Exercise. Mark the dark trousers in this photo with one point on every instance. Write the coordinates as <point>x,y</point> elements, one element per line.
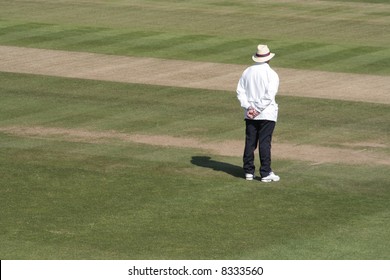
<point>258,133</point>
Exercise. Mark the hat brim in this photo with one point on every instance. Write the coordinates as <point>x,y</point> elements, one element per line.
<point>262,59</point>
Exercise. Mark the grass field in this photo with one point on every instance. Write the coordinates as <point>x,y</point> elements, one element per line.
<point>66,197</point>
<point>341,36</point>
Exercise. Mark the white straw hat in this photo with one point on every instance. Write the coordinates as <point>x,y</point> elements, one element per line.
<point>263,54</point>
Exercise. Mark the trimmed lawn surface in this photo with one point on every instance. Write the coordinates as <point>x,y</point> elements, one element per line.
<point>80,198</point>
<point>347,36</point>
<point>77,199</point>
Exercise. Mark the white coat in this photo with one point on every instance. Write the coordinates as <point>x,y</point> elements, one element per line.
<point>257,88</point>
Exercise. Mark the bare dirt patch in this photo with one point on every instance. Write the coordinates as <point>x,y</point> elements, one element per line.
<point>206,75</point>
<point>310,153</point>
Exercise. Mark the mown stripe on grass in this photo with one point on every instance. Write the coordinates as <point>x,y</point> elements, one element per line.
<point>195,47</point>
<point>45,38</point>
<point>99,42</point>
<point>20,28</point>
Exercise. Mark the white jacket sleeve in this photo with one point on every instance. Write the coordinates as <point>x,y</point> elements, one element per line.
<point>241,94</point>
<point>273,85</point>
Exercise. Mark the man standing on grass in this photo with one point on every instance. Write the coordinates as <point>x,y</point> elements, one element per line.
<point>256,91</point>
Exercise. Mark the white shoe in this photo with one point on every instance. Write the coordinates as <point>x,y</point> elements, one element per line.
<point>249,176</point>
<point>271,177</point>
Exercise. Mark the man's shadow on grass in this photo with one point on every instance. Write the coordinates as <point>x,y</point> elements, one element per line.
<point>207,162</point>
